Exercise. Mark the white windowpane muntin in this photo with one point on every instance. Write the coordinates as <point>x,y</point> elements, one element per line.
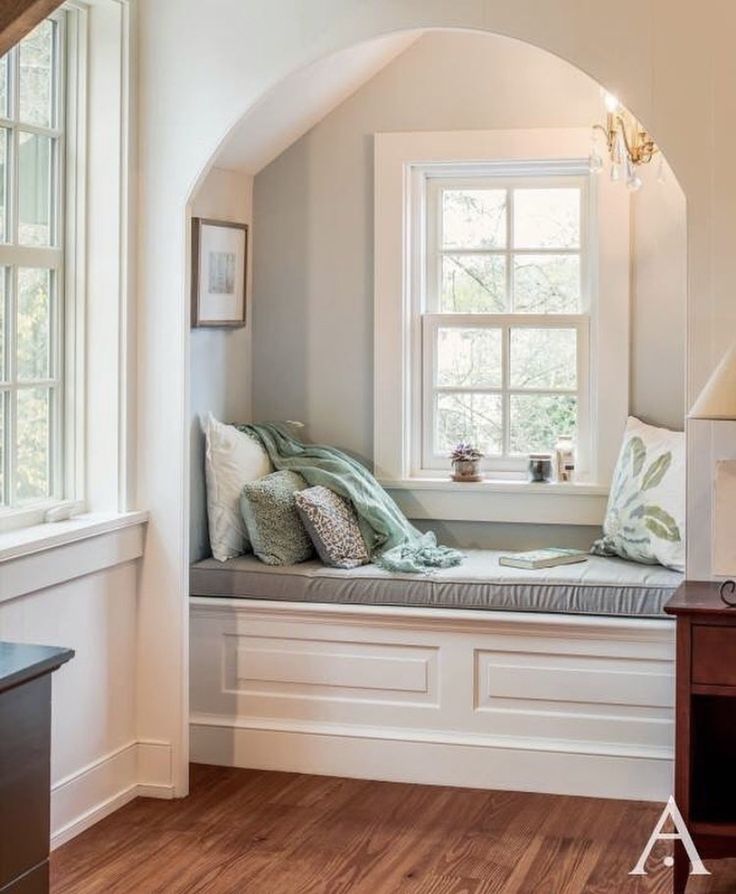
<point>474,218</point>
<point>547,283</point>
<point>537,421</point>
<point>475,418</point>
<point>33,324</point>
<point>35,188</point>
<point>4,306</point>
<point>31,269</point>
<point>469,357</point>
<point>4,182</point>
<point>547,217</point>
<point>4,87</point>
<point>37,76</point>
<point>513,252</point>
<point>33,444</point>
<point>543,359</point>
<point>473,283</point>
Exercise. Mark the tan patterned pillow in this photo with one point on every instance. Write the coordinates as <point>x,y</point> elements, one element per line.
<point>332,525</point>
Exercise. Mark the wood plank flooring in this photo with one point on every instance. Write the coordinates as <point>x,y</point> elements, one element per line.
<point>280,833</point>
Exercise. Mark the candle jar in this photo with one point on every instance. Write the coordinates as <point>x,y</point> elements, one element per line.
<point>540,467</point>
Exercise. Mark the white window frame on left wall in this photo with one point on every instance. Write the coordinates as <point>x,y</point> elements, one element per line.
<point>65,258</point>
<point>100,334</point>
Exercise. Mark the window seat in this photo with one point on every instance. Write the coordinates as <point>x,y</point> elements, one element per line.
<point>600,586</point>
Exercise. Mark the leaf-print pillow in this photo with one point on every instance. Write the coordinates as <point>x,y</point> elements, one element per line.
<point>645,519</point>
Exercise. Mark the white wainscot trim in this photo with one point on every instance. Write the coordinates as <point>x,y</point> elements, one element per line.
<point>551,703</point>
<point>500,501</point>
<point>51,554</point>
<point>83,798</point>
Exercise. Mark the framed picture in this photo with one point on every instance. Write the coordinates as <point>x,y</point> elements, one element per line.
<point>219,268</point>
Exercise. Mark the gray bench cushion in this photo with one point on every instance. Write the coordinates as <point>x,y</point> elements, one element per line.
<point>600,586</point>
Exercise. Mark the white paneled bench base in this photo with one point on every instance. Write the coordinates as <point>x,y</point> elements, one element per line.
<point>557,703</point>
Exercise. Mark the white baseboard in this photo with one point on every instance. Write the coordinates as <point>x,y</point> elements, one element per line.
<point>136,769</point>
<point>437,760</point>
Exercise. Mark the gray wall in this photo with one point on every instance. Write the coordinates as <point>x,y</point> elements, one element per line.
<point>313,243</point>
<point>220,359</point>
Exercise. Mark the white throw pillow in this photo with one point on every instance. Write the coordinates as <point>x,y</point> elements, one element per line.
<point>645,519</point>
<point>232,459</point>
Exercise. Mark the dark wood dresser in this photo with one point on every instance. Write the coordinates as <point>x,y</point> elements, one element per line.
<point>25,764</point>
<point>705,724</point>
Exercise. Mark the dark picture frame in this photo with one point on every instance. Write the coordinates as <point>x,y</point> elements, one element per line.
<point>219,273</point>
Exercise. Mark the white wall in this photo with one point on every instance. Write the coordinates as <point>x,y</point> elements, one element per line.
<point>93,716</point>
<point>674,67</point>
<point>658,299</point>
<point>220,374</point>
<point>313,261</point>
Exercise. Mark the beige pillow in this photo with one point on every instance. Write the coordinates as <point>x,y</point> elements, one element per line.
<point>232,459</point>
<point>645,519</point>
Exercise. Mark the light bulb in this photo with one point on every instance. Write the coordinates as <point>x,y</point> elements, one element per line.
<point>615,171</point>
<point>612,104</point>
<point>661,171</point>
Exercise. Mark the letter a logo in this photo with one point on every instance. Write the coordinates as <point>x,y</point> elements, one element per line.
<point>681,833</point>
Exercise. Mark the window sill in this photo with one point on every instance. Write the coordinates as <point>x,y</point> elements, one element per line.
<point>51,554</point>
<point>500,501</point>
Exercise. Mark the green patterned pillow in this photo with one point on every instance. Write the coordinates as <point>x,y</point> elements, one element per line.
<point>645,519</point>
<point>274,528</point>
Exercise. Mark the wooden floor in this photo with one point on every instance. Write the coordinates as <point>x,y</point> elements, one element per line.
<point>251,831</point>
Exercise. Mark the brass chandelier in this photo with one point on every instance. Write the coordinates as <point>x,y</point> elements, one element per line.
<point>628,145</point>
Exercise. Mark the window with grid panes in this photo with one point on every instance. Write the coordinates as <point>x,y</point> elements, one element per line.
<point>32,119</point>
<point>506,316</point>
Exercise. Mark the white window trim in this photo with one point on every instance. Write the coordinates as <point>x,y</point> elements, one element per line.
<point>67,259</point>
<point>101,265</point>
<point>46,555</point>
<point>399,159</point>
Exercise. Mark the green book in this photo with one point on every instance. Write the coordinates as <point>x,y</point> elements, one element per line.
<point>543,558</point>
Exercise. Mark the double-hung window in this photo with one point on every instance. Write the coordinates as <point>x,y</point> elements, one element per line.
<point>502,276</point>
<point>32,291</point>
<point>505,315</point>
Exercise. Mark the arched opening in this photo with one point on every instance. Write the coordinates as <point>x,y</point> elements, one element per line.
<point>299,168</point>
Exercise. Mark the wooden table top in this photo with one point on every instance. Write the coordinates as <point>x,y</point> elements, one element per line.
<point>700,597</point>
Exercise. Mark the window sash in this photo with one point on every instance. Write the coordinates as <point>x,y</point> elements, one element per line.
<point>505,461</point>
<point>434,250</point>
<point>15,256</point>
<point>536,176</point>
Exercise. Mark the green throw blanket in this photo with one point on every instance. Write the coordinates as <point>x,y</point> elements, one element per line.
<point>392,542</point>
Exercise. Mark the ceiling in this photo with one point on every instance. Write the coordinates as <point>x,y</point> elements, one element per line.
<point>301,100</point>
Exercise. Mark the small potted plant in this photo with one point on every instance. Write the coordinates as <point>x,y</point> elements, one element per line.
<point>466,463</point>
